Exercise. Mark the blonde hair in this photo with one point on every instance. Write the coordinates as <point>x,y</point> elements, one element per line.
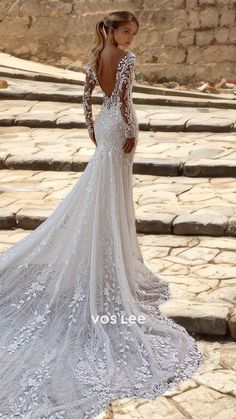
<point>114,20</point>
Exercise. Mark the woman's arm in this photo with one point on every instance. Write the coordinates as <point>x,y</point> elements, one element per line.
<point>125,90</point>
<point>89,85</point>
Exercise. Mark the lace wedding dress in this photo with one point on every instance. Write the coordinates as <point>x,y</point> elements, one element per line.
<point>67,344</point>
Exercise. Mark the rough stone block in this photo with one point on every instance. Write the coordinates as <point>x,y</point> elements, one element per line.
<point>232,34</point>
<point>207,2</point>
<point>227,17</point>
<point>186,38</point>
<point>193,20</point>
<point>205,37</point>
<point>209,18</point>
<point>170,37</point>
<point>200,224</point>
<point>198,317</point>
<point>232,324</point>
<point>221,35</point>
<point>191,4</point>
<point>147,223</point>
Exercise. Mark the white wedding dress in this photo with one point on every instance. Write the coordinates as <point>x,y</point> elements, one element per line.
<point>59,358</point>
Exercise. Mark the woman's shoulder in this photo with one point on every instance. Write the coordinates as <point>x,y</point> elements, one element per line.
<point>117,56</point>
<point>130,54</point>
<point>128,57</point>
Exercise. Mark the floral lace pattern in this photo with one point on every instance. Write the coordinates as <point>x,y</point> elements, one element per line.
<point>121,96</point>
<point>67,289</point>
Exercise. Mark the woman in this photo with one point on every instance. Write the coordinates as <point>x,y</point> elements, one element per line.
<point>79,319</point>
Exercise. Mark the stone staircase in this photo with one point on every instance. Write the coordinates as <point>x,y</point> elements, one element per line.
<point>184,195</point>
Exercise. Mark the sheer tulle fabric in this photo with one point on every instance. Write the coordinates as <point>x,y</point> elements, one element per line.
<point>57,358</point>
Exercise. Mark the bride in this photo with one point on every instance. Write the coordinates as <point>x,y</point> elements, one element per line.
<point>80,324</point>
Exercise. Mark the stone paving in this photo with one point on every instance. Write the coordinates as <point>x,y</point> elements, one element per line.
<point>158,153</point>
<point>19,68</point>
<point>202,276</point>
<point>154,117</point>
<point>182,205</point>
<point>166,205</point>
<point>10,64</point>
<point>66,92</point>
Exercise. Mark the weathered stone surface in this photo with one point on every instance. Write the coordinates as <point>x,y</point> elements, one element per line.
<point>209,18</point>
<point>59,33</point>
<point>222,35</point>
<point>157,153</point>
<point>170,37</point>
<point>148,223</point>
<point>7,220</point>
<point>209,124</point>
<point>221,380</point>
<point>186,38</point>
<point>30,219</point>
<point>200,272</point>
<point>204,37</point>
<point>231,229</point>
<point>207,167</point>
<point>157,118</point>
<point>200,224</point>
<point>209,319</point>
<point>205,402</point>
<point>232,324</point>
<point>227,16</point>
<point>33,89</point>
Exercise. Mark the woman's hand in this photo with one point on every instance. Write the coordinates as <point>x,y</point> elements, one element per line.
<point>128,145</point>
<point>92,137</point>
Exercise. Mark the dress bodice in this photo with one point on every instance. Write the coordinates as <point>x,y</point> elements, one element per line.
<point>121,95</point>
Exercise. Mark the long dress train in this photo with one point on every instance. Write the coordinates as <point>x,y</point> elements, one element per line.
<point>67,344</point>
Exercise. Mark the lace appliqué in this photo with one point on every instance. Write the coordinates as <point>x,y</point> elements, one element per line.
<point>125,97</point>
<point>90,83</point>
<point>31,397</point>
<point>121,95</point>
<point>28,332</point>
<point>80,295</point>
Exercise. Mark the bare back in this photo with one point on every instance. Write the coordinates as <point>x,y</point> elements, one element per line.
<point>107,67</point>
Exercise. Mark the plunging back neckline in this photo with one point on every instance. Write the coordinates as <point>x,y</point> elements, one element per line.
<point>116,78</point>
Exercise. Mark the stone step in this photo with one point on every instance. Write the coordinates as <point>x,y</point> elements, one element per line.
<point>163,205</point>
<point>17,73</point>
<point>157,153</point>
<point>24,69</point>
<point>200,272</point>
<point>151,118</point>
<point>19,89</point>
<point>202,277</point>
<point>34,69</point>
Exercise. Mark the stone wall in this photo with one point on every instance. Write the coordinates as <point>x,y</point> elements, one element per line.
<point>182,40</point>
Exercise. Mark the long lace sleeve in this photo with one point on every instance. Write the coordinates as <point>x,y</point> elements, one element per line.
<point>125,99</point>
<point>89,85</point>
